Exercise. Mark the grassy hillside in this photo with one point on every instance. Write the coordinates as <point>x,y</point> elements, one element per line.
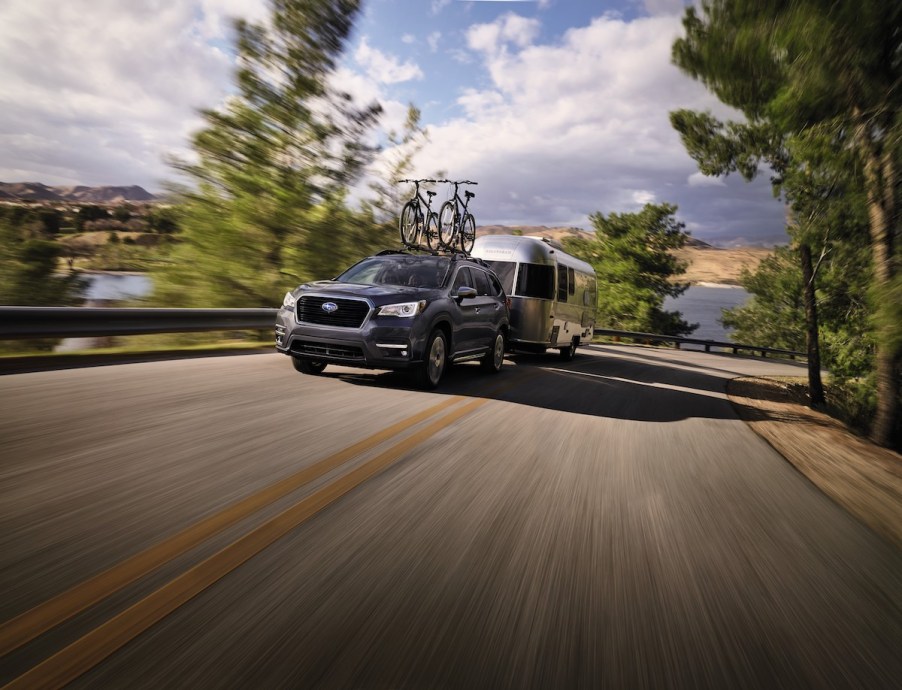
<point>707,264</point>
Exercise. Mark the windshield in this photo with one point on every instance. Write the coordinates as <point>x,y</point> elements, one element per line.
<point>398,269</point>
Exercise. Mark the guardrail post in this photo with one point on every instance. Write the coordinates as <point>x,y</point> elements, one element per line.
<point>707,347</point>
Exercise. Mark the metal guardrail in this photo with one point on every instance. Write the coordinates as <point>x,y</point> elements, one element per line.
<point>86,322</point>
<point>708,344</point>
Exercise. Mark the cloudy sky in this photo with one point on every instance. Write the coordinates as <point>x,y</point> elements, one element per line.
<point>559,108</point>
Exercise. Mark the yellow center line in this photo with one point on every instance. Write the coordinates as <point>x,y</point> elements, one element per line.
<point>88,651</point>
<point>28,625</point>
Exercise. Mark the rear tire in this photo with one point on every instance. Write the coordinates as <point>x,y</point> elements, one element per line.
<point>494,358</point>
<point>429,373</point>
<point>467,232</point>
<point>308,366</point>
<point>432,241</point>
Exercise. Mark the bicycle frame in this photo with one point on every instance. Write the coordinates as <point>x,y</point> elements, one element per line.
<point>413,229</point>
<point>451,227</point>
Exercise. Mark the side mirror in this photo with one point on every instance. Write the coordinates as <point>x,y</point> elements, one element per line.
<point>464,292</point>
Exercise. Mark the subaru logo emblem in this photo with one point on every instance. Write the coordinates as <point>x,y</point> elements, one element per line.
<point>330,307</point>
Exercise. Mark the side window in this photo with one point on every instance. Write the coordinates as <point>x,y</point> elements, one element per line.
<point>561,284</point>
<point>462,279</point>
<point>505,271</point>
<point>482,281</point>
<point>571,281</point>
<point>497,289</point>
<point>589,295</point>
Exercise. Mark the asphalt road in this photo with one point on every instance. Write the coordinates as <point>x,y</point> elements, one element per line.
<point>608,522</point>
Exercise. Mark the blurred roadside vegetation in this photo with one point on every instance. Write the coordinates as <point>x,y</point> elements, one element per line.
<point>817,85</point>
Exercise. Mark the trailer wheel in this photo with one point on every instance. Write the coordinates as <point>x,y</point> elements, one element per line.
<point>569,352</point>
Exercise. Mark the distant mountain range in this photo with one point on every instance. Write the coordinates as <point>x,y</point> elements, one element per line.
<point>35,191</point>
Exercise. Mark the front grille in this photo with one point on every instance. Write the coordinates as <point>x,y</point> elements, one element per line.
<point>349,314</point>
<point>332,351</point>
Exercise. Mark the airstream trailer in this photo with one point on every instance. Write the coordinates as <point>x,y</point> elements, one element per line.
<point>552,293</point>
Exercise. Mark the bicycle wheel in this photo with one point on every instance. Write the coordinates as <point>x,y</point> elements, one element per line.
<point>447,225</point>
<point>467,232</point>
<point>408,224</point>
<point>432,231</point>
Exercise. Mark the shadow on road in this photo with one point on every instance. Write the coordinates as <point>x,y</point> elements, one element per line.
<point>598,382</point>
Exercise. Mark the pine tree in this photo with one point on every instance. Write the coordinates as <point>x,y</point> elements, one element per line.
<point>266,201</point>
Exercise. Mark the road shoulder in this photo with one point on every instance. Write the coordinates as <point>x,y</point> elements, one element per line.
<point>862,477</point>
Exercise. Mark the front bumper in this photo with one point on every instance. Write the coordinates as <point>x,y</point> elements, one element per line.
<point>381,343</point>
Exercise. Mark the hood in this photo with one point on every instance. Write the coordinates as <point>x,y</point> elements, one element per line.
<point>381,294</point>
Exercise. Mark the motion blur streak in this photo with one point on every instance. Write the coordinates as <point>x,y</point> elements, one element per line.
<point>27,626</point>
<point>94,647</point>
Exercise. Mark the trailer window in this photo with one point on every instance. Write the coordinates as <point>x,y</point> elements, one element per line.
<point>571,281</point>
<point>505,271</point>
<point>535,280</point>
<point>561,284</point>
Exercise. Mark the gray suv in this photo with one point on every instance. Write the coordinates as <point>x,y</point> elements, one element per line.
<point>398,311</point>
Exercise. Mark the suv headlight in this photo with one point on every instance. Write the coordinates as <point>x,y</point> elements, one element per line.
<point>289,301</point>
<point>403,309</point>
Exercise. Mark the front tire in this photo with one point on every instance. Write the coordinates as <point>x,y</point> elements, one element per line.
<point>447,218</point>
<point>308,366</point>
<point>494,358</point>
<point>430,372</point>
<point>408,223</point>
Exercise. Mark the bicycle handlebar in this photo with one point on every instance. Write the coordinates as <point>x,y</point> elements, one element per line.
<point>422,180</point>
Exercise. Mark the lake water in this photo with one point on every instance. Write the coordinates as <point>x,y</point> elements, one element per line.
<point>701,304</point>
<point>117,286</point>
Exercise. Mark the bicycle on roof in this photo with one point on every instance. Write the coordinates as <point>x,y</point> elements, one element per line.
<point>456,225</point>
<point>417,224</point>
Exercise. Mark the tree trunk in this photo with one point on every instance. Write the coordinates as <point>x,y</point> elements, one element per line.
<point>880,179</point>
<point>815,385</point>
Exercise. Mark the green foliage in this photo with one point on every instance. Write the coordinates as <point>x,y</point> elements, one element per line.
<point>775,314</point>
<point>632,257</point>
<point>28,275</point>
<point>122,213</point>
<point>163,220</point>
<point>818,82</point>
<point>89,213</point>
<point>51,221</point>
<point>266,206</point>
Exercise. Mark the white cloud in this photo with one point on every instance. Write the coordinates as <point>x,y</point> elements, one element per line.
<point>560,131</point>
<point>432,40</point>
<point>509,29</point>
<point>383,68</point>
<point>111,88</point>
<point>643,196</point>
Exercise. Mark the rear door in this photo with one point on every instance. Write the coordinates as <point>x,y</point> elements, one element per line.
<point>467,335</point>
<point>490,309</point>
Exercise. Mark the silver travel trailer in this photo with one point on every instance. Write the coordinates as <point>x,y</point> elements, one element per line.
<point>553,294</point>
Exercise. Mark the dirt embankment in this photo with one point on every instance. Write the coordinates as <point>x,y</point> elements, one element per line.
<point>716,265</point>
<point>860,476</point>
